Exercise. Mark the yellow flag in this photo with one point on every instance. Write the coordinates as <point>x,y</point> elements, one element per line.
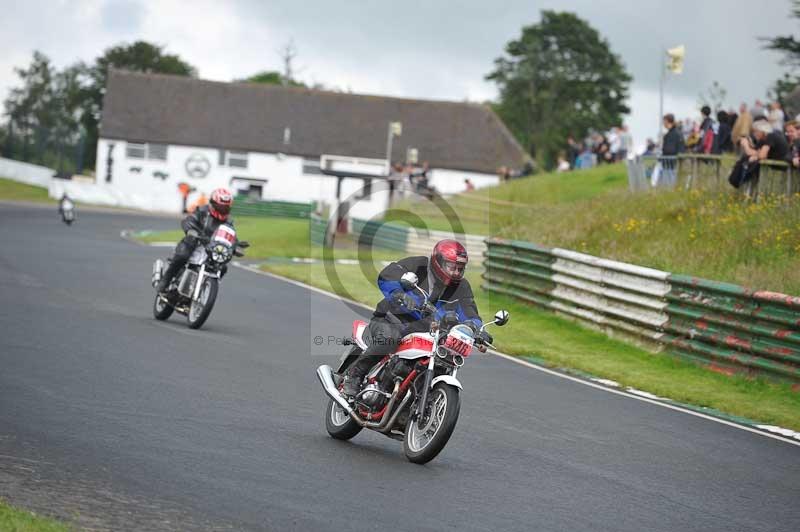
<point>675,59</point>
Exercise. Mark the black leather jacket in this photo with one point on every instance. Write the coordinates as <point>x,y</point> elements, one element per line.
<point>202,222</point>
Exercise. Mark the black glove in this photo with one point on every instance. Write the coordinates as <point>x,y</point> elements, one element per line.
<point>485,338</point>
<point>193,233</point>
<point>403,299</point>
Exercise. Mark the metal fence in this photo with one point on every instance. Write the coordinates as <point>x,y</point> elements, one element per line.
<point>244,206</point>
<point>618,298</point>
<point>66,153</point>
<point>731,328</point>
<point>721,326</point>
<point>708,172</point>
<point>399,237</point>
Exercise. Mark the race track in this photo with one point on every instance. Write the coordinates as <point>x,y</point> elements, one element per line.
<point>120,422</point>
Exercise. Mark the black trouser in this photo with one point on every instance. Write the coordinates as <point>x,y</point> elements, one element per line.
<point>182,253</point>
<point>382,339</point>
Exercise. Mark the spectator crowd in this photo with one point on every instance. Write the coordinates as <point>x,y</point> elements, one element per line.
<point>597,148</point>
<point>759,131</point>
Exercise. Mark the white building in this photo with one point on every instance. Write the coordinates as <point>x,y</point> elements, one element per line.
<point>158,131</point>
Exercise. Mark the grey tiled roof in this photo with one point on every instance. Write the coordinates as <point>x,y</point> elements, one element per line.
<point>252,117</point>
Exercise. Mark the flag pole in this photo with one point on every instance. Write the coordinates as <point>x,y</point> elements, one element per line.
<point>663,66</point>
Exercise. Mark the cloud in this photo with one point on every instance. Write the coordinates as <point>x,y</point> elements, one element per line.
<point>416,48</point>
<point>123,17</point>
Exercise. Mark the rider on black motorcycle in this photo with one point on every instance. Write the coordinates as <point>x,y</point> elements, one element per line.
<point>200,224</point>
<point>441,275</point>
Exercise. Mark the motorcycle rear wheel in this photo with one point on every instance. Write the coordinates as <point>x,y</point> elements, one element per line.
<point>425,438</point>
<point>161,309</point>
<point>208,296</point>
<point>338,423</point>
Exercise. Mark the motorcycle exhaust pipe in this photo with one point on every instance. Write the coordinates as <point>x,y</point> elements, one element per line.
<point>325,376</point>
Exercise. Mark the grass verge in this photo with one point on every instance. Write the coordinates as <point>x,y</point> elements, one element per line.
<point>278,237</point>
<point>562,343</point>
<point>716,234</point>
<point>16,520</point>
<point>15,191</point>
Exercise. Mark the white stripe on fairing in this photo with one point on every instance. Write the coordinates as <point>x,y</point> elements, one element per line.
<point>527,364</point>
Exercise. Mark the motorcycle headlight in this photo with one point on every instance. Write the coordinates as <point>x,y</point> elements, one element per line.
<point>220,253</point>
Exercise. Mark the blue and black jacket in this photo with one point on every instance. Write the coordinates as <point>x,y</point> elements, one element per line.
<point>456,298</point>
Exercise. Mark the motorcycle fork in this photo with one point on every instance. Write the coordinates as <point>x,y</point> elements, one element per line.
<point>200,278</point>
<point>428,379</point>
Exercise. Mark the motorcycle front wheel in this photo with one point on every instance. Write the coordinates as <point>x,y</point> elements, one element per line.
<point>426,437</point>
<point>200,310</point>
<point>338,423</point>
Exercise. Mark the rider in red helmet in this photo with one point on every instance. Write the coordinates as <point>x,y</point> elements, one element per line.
<point>219,206</point>
<point>399,313</point>
<point>198,225</point>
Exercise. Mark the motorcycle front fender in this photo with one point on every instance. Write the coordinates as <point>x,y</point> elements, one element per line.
<point>348,357</point>
<point>447,379</point>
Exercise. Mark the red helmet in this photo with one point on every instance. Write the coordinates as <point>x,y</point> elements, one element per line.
<point>220,204</point>
<point>449,261</point>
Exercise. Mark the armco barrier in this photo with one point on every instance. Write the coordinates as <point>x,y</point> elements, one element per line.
<point>613,296</point>
<point>282,209</point>
<point>721,326</point>
<point>731,328</point>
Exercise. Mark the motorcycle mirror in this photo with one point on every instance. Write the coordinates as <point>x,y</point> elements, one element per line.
<point>501,318</point>
<point>409,280</point>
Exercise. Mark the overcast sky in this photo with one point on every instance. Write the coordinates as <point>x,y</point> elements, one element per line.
<point>421,49</point>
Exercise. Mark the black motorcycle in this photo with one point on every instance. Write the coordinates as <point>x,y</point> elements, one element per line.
<point>193,290</point>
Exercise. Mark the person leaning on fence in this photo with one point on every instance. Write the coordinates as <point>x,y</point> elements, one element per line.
<point>765,143</point>
<point>792,134</point>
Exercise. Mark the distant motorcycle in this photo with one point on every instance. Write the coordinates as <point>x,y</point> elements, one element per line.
<point>411,395</point>
<point>67,210</point>
<point>193,290</point>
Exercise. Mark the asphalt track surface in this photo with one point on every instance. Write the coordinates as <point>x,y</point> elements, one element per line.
<point>119,422</point>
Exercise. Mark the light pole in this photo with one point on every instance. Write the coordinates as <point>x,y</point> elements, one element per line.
<point>663,66</point>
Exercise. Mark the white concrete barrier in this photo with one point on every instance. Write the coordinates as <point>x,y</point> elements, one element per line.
<point>30,174</point>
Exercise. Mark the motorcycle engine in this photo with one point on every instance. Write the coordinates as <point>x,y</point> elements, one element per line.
<point>371,396</point>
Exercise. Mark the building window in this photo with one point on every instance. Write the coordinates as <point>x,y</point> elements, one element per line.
<point>234,159</point>
<point>141,150</point>
<point>311,166</point>
<point>136,150</point>
<point>237,159</point>
<point>157,151</point>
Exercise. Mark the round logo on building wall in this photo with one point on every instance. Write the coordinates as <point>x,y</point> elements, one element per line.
<point>198,165</point>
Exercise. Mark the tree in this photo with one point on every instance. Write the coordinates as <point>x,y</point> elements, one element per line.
<point>272,77</point>
<point>714,97</point>
<point>789,47</point>
<point>56,110</point>
<point>140,56</point>
<point>559,78</point>
<point>31,108</point>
